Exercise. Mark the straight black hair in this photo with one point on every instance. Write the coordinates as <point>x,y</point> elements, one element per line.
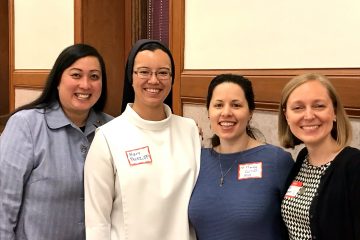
<point>67,57</point>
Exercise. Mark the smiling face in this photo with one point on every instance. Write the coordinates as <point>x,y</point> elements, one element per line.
<point>310,113</point>
<point>80,87</point>
<point>151,92</point>
<point>229,112</point>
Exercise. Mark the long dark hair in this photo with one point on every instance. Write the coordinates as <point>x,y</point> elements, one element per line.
<point>67,57</point>
<point>139,46</point>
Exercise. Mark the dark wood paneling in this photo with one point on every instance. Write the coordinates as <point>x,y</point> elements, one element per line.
<point>104,28</point>
<point>78,21</point>
<point>176,44</point>
<point>11,55</point>
<point>268,84</point>
<point>3,120</point>
<point>4,57</point>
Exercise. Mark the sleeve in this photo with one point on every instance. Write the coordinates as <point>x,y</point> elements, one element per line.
<point>197,142</point>
<point>99,180</point>
<point>284,165</point>
<point>354,195</point>
<point>16,161</point>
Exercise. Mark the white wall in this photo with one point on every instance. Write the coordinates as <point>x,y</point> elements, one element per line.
<point>43,28</point>
<point>238,34</point>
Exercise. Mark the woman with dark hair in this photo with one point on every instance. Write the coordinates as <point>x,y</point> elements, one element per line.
<point>322,201</point>
<point>242,180</point>
<point>43,149</point>
<point>142,166</point>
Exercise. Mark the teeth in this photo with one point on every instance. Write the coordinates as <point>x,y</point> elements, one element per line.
<point>227,124</point>
<point>153,90</point>
<point>83,96</point>
<point>310,127</point>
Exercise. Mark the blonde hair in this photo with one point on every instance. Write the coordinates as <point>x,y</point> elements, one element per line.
<point>341,131</point>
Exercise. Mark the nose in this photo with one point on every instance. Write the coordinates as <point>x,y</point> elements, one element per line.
<point>153,78</point>
<point>226,111</point>
<point>84,83</point>
<point>309,114</point>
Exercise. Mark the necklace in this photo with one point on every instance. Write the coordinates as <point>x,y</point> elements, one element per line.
<point>226,172</point>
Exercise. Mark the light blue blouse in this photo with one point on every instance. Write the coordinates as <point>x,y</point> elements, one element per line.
<point>42,157</point>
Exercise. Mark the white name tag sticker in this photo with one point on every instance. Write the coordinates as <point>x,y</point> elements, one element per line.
<point>139,156</point>
<point>293,189</point>
<point>250,170</point>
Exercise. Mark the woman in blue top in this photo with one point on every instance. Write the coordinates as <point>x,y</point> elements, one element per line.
<point>43,150</point>
<point>242,180</point>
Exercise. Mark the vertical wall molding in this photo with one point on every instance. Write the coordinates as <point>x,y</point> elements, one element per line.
<point>4,57</point>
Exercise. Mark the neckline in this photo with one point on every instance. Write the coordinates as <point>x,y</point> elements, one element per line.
<point>256,148</point>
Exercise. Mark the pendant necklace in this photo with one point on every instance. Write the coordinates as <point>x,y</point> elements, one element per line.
<point>227,171</point>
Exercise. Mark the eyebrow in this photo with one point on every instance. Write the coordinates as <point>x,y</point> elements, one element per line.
<point>151,68</point>
<point>92,70</point>
<point>232,101</point>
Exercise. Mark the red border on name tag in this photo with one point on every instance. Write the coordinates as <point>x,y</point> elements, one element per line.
<point>259,175</point>
<point>143,153</point>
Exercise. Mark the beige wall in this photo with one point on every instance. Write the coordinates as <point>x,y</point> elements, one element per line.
<point>43,29</point>
<point>237,34</point>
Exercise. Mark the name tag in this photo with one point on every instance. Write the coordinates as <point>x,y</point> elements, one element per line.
<point>293,189</point>
<point>250,170</point>
<point>139,156</point>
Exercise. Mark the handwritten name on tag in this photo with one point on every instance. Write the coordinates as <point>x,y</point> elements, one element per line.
<point>139,156</point>
<point>250,170</point>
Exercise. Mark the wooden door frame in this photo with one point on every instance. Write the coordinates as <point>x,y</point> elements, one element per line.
<point>4,57</point>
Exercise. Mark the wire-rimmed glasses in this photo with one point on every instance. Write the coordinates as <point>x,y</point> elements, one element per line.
<point>146,73</point>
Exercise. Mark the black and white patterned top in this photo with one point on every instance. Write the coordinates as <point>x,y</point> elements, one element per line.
<point>295,207</point>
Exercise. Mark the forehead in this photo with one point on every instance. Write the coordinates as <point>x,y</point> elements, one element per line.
<point>88,62</point>
<point>149,58</point>
<point>309,91</point>
<point>228,90</point>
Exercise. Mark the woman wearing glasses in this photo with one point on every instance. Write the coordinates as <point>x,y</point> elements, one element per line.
<point>142,166</point>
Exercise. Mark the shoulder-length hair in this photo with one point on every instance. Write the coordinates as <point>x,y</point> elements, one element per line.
<point>341,130</point>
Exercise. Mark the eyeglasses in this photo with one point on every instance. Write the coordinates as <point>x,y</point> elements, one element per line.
<point>145,73</point>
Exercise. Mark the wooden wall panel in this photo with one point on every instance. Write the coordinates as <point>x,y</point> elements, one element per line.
<point>34,79</point>
<point>104,28</point>
<point>268,84</point>
<point>4,57</point>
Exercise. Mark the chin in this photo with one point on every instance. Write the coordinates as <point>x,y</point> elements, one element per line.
<point>83,107</point>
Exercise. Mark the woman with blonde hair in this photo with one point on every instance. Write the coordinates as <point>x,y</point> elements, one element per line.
<point>322,201</point>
